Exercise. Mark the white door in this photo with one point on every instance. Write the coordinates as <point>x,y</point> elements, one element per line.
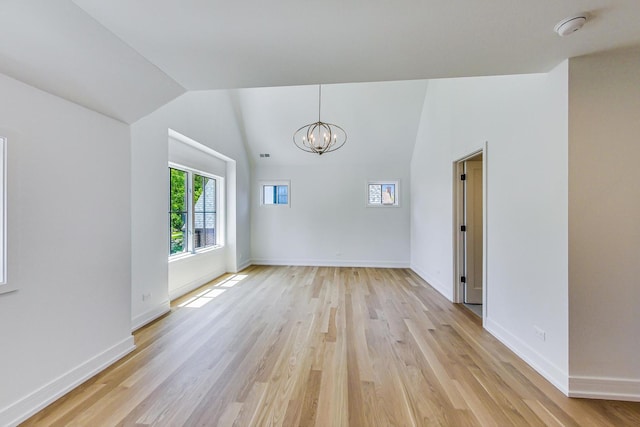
<point>473,234</point>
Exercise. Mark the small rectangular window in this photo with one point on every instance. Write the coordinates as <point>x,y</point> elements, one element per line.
<point>382,193</point>
<point>274,193</point>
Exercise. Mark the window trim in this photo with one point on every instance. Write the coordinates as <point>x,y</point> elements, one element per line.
<point>263,183</point>
<point>396,203</point>
<point>191,250</point>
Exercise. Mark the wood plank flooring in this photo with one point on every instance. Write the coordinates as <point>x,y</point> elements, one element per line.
<point>310,346</point>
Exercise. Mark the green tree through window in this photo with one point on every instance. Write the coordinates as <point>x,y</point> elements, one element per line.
<point>178,211</point>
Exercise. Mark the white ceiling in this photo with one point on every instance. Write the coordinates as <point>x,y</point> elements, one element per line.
<point>126,58</point>
<point>255,43</point>
<point>55,46</point>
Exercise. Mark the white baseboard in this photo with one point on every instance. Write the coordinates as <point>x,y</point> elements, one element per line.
<point>244,264</point>
<point>330,263</point>
<point>32,403</point>
<point>604,388</point>
<point>446,291</point>
<point>149,316</point>
<point>544,367</point>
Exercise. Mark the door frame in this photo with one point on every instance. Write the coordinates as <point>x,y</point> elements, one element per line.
<point>458,216</point>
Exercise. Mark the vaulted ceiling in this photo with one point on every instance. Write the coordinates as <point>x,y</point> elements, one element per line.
<point>381,120</point>
<point>126,58</point>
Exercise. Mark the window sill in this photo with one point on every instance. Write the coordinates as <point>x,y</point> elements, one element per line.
<point>208,249</point>
<point>187,255</point>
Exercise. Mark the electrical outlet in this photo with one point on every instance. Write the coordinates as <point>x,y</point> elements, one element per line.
<point>146,296</point>
<point>540,333</point>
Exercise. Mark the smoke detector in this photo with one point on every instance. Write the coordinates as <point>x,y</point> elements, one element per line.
<point>570,25</point>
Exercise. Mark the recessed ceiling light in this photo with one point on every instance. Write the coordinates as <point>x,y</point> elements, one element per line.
<point>570,25</point>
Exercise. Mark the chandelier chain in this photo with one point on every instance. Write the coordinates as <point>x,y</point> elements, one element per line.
<point>319,101</point>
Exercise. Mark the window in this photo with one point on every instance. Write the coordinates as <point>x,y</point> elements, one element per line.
<point>193,198</point>
<point>274,193</point>
<point>382,193</point>
<point>204,210</point>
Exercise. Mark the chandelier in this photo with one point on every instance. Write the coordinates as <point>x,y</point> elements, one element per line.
<point>319,137</point>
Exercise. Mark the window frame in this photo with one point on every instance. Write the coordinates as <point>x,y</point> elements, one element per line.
<point>396,201</point>
<point>190,247</point>
<point>186,248</point>
<point>265,183</point>
<point>204,212</point>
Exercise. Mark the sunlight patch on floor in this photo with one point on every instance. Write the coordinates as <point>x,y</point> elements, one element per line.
<point>207,295</point>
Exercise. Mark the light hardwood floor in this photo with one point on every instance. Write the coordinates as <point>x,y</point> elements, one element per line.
<point>326,347</point>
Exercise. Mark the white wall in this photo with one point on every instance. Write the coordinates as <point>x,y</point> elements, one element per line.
<point>604,230</point>
<point>327,222</point>
<point>189,273</point>
<point>208,117</point>
<point>524,120</point>
<point>68,247</point>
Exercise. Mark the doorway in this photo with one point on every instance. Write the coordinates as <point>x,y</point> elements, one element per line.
<point>469,232</point>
